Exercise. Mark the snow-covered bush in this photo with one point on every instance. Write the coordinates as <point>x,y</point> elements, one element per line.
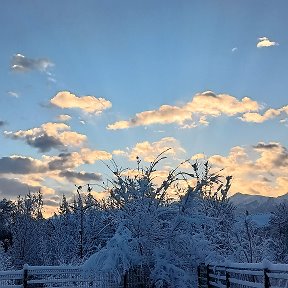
<point>170,238</point>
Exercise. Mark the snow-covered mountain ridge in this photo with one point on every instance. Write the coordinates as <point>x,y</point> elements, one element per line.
<point>256,204</point>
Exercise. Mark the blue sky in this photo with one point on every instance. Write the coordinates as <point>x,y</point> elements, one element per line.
<point>138,56</point>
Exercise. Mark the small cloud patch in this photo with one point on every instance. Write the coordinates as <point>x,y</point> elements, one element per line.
<point>265,42</point>
<point>13,94</point>
<point>21,63</point>
<point>88,104</point>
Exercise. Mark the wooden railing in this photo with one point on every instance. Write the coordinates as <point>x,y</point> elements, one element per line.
<point>243,275</point>
<point>56,276</point>
<point>71,276</point>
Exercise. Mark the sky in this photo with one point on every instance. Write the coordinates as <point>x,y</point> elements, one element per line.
<point>84,82</point>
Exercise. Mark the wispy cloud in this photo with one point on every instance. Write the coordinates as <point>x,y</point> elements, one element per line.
<point>21,63</point>
<point>13,94</point>
<point>88,104</point>
<point>234,49</point>
<point>78,177</point>
<point>64,117</point>
<point>265,42</point>
<point>267,115</point>
<point>193,113</point>
<point>119,152</point>
<point>48,136</point>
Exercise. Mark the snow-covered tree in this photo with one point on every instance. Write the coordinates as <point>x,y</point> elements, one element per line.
<point>278,231</point>
<point>249,242</point>
<point>168,238</point>
<point>7,211</point>
<point>27,230</point>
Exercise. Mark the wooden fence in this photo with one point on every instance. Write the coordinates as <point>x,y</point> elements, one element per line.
<point>69,276</point>
<point>243,275</point>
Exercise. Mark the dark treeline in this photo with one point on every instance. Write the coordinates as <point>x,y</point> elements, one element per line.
<point>138,224</point>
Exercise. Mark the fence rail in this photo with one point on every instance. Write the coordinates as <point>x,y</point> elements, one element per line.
<point>243,275</point>
<point>69,276</point>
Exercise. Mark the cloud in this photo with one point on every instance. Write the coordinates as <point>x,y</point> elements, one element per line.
<point>13,94</point>
<point>149,151</point>
<point>260,169</point>
<point>263,146</point>
<point>119,152</point>
<point>82,176</point>
<point>284,121</point>
<point>48,136</point>
<point>74,159</point>
<point>273,156</point>
<point>49,203</point>
<point>21,165</point>
<point>12,187</point>
<point>193,113</point>
<point>88,104</point>
<point>265,42</point>
<point>64,117</point>
<point>267,115</point>
<point>21,63</point>
<point>51,79</point>
<point>198,156</point>
<point>234,49</point>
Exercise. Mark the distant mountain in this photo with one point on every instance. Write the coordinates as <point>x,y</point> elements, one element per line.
<point>256,204</point>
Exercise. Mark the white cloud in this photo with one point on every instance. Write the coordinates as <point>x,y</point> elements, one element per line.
<point>13,94</point>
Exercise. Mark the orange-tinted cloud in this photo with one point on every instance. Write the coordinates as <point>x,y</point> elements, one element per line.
<point>149,151</point>
<point>75,159</point>
<point>192,113</point>
<point>267,115</point>
<point>261,169</point>
<point>64,117</point>
<point>88,104</point>
<point>265,42</point>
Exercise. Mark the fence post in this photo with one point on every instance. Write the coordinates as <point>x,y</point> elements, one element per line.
<point>199,275</point>
<point>207,276</point>
<point>266,279</point>
<point>125,280</point>
<point>227,275</point>
<point>25,276</point>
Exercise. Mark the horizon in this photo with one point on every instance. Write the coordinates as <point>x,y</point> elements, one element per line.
<point>84,83</point>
